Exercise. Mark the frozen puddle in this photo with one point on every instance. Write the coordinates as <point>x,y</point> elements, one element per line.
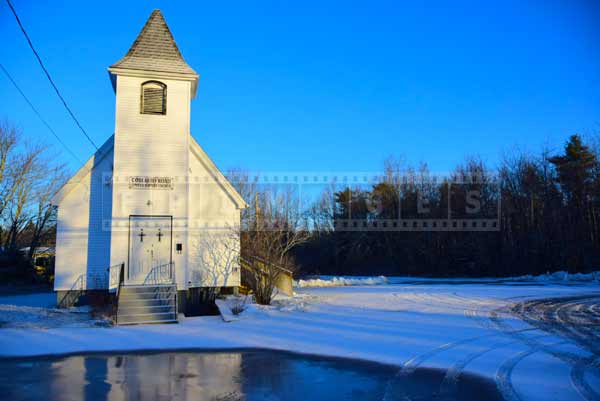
<point>231,375</point>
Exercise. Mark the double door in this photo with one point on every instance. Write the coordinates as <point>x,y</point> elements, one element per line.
<point>150,240</point>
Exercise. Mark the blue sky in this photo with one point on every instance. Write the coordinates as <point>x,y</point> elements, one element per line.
<point>326,86</point>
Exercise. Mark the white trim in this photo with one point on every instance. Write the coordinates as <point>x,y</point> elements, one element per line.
<point>83,171</point>
<point>217,175</point>
<point>146,73</point>
<point>158,75</point>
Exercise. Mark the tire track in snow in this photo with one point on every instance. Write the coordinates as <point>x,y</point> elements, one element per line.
<point>581,326</point>
<point>409,367</point>
<point>540,314</point>
<point>568,357</point>
<point>559,316</point>
<point>480,319</point>
<point>504,372</point>
<point>444,302</point>
<point>432,303</point>
<point>562,317</point>
<point>413,363</point>
<point>449,384</point>
<point>543,320</point>
<point>484,315</point>
<point>578,378</point>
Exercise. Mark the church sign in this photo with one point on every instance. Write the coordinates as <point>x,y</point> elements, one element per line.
<point>145,182</point>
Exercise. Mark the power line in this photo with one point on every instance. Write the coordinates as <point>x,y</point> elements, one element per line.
<point>48,75</point>
<point>39,115</point>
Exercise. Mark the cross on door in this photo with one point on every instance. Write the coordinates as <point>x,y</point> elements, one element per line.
<point>141,235</point>
<point>159,235</point>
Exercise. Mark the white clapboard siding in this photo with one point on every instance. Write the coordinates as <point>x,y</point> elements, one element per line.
<point>213,237</point>
<point>83,239</point>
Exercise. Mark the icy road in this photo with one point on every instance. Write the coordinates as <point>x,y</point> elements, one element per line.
<point>535,340</point>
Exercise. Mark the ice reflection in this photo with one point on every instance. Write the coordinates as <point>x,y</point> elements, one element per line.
<point>223,376</point>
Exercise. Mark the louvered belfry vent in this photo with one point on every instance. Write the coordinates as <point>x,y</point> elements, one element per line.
<point>154,98</point>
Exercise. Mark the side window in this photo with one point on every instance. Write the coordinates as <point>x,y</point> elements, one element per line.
<point>154,98</point>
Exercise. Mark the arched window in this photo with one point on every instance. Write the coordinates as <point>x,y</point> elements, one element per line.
<point>154,98</point>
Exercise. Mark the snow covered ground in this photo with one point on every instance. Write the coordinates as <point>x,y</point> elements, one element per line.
<point>534,350</point>
<point>37,311</point>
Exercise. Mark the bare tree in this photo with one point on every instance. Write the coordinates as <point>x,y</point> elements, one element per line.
<point>278,227</point>
<point>43,217</point>
<point>29,177</point>
<point>245,184</point>
<point>8,144</point>
<point>320,214</point>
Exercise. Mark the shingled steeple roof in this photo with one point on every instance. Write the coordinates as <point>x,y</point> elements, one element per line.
<point>155,50</point>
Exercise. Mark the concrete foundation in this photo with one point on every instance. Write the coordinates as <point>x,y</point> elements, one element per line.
<point>192,302</point>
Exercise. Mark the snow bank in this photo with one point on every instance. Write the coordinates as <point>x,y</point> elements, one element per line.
<point>559,277</point>
<point>341,281</point>
<point>562,276</point>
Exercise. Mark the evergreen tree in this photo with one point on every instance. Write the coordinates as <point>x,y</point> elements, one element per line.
<point>576,171</point>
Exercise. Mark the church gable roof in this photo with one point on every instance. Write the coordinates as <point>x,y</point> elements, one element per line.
<point>217,175</point>
<point>107,148</point>
<point>155,50</point>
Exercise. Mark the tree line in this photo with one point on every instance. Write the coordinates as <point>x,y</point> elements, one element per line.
<point>531,214</point>
<point>546,208</point>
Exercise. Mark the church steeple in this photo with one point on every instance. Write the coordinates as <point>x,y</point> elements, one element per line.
<point>155,51</point>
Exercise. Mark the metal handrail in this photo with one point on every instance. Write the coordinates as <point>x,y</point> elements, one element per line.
<point>161,274</point>
<point>73,294</point>
<point>116,277</point>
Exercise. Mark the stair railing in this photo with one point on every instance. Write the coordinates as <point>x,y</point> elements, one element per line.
<point>72,295</point>
<point>116,277</point>
<point>161,274</point>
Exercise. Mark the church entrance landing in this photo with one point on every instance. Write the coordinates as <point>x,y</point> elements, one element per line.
<point>150,242</point>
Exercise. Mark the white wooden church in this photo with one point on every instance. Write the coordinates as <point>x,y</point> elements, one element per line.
<point>149,215</point>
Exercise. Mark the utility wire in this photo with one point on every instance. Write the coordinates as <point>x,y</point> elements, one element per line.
<point>48,75</point>
<point>39,115</point>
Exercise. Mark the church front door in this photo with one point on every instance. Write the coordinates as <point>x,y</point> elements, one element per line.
<point>149,247</point>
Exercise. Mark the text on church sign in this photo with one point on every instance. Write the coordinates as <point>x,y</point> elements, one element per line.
<point>145,182</point>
